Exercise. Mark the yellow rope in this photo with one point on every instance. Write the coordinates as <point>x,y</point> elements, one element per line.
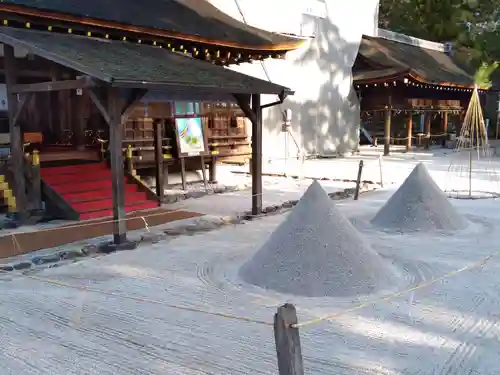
<point>392,296</point>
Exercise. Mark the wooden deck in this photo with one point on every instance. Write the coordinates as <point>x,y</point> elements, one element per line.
<point>25,242</point>
<point>61,154</point>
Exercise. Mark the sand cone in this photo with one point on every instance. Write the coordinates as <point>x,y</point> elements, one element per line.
<point>316,251</point>
<point>419,205</point>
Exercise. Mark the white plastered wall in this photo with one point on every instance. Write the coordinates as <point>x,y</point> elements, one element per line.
<point>325,108</point>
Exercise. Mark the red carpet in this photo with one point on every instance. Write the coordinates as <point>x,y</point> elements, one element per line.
<point>87,189</point>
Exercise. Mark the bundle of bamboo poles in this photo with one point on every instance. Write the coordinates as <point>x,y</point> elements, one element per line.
<point>473,139</point>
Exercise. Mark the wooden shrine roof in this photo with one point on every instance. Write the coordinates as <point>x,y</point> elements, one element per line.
<point>124,64</point>
<point>191,20</point>
<point>424,65</point>
<point>377,75</point>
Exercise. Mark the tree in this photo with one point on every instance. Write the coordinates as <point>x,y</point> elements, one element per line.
<point>470,24</point>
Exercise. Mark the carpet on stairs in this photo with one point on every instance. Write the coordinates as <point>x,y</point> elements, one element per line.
<point>87,189</point>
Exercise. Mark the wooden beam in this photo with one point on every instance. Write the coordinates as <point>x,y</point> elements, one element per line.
<point>23,99</point>
<point>99,103</point>
<point>16,139</point>
<point>73,84</point>
<point>117,170</point>
<point>243,101</point>
<point>134,99</point>
<point>256,155</point>
<point>160,191</point>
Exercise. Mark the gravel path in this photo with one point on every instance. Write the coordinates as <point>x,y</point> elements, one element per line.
<point>449,328</point>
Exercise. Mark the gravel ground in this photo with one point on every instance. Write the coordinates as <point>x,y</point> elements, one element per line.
<point>127,323</point>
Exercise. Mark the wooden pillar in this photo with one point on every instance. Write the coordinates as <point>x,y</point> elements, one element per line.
<point>158,136</point>
<point>212,170</point>
<point>117,170</point>
<point>445,128</point>
<point>36,183</point>
<point>78,112</point>
<point>409,130</point>
<point>256,155</point>
<point>427,131</point>
<point>55,112</point>
<point>387,131</point>
<point>16,138</point>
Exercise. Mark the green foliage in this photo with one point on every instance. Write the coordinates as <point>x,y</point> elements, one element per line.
<point>470,24</point>
<point>482,78</point>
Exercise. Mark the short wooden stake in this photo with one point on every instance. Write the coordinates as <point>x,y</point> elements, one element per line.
<point>380,168</point>
<point>358,180</point>
<point>287,340</point>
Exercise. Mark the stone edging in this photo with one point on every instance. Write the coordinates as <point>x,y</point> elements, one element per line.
<point>219,189</point>
<point>205,223</point>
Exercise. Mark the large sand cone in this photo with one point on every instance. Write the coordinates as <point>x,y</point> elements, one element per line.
<point>316,251</point>
<point>419,205</point>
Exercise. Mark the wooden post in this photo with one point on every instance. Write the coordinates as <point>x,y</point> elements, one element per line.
<point>409,131</point>
<point>36,183</point>
<point>358,180</point>
<point>427,131</point>
<point>128,161</point>
<point>78,125</point>
<point>116,161</point>
<point>55,104</point>
<point>387,132</point>
<point>212,170</point>
<point>158,136</point>
<point>183,173</point>
<point>16,138</point>
<point>204,173</point>
<point>288,349</point>
<point>256,156</point>
<point>381,173</point>
<point>445,127</point>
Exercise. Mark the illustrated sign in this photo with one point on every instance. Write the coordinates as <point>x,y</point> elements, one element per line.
<point>191,140</point>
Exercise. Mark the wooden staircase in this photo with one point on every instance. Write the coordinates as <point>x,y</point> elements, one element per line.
<point>83,192</point>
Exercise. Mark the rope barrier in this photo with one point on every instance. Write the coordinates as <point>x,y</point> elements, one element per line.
<point>97,222</point>
<point>390,297</point>
<point>145,300</point>
<point>414,137</point>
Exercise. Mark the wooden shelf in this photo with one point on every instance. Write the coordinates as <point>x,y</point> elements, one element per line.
<point>212,137</point>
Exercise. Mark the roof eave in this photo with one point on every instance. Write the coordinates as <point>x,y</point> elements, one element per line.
<point>270,89</point>
<point>63,17</point>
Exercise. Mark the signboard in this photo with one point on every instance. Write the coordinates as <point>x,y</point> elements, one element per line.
<point>191,138</point>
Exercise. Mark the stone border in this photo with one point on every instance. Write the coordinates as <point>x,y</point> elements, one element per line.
<point>203,224</point>
<point>297,177</point>
<point>212,190</point>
